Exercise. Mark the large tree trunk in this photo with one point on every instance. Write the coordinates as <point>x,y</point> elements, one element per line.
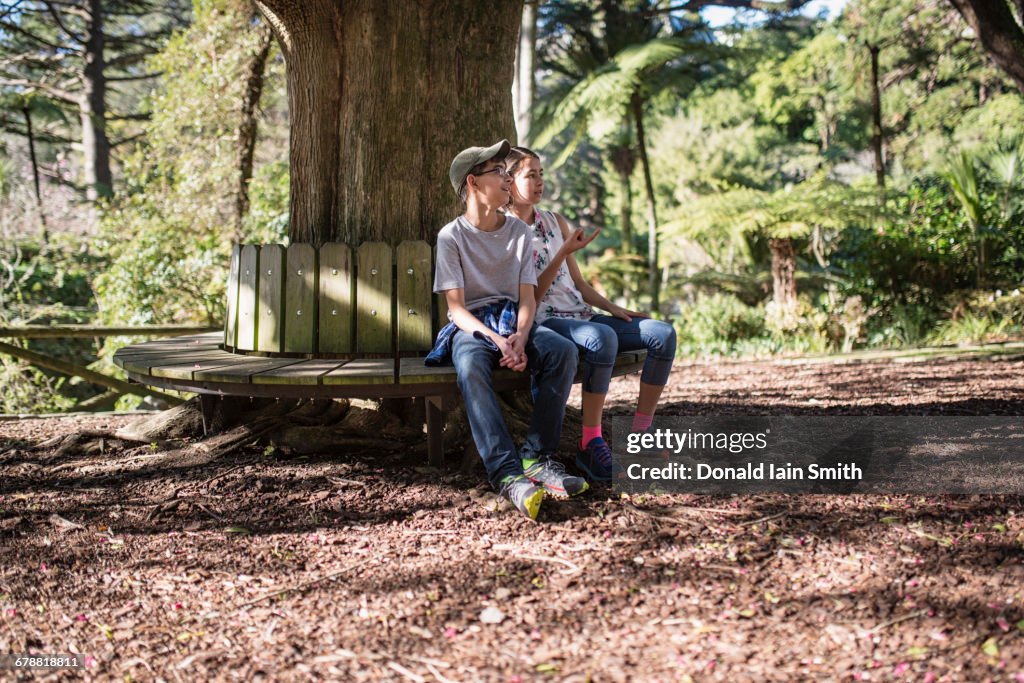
<point>653,272</point>
<point>92,109</point>
<point>381,97</point>
<point>876,119</point>
<point>783,273</point>
<point>999,32</point>
<point>248,126</point>
<point>525,86</point>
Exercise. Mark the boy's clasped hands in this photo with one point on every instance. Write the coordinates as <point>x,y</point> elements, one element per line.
<point>513,351</point>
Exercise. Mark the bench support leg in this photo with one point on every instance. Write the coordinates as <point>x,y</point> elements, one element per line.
<point>207,406</point>
<point>435,406</point>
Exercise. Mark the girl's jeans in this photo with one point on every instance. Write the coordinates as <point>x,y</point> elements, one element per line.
<point>603,337</point>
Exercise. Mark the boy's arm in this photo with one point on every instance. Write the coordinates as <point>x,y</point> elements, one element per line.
<point>467,322</point>
<point>524,322</point>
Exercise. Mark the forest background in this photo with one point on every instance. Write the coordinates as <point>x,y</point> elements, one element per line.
<point>773,183</point>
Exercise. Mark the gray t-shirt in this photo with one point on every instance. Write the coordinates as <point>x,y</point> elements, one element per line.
<point>489,266</point>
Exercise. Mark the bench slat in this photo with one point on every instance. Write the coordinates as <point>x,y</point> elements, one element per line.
<point>307,372</point>
<point>269,328</point>
<point>373,298</point>
<point>189,369</point>
<point>241,373</point>
<point>414,297</point>
<point>336,295</point>
<point>248,265</point>
<point>152,348</point>
<point>413,371</point>
<point>363,371</point>
<point>148,364</point>
<point>231,312</point>
<point>300,299</point>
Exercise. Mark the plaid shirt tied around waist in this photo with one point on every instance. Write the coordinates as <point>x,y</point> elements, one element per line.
<point>501,317</point>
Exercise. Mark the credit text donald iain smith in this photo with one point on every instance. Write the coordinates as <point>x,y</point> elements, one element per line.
<point>668,441</point>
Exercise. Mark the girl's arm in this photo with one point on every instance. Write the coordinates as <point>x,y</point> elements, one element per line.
<point>591,295</point>
<point>571,242</point>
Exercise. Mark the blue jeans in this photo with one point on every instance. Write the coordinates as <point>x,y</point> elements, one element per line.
<point>603,337</point>
<point>551,360</point>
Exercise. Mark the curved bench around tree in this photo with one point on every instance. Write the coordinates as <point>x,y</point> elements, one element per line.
<point>330,323</point>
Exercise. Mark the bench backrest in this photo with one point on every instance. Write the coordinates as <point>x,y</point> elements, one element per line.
<point>335,301</point>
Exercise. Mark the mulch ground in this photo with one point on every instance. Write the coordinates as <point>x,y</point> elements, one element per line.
<point>369,566</point>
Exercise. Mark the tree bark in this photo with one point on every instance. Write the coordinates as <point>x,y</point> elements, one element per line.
<point>525,86</point>
<point>999,33</point>
<point>876,119</point>
<point>381,97</point>
<point>93,109</point>
<point>783,272</point>
<point>653,273</point>
<point>248,126</point>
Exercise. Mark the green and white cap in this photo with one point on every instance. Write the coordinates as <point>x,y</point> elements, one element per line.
<point>471,156</point>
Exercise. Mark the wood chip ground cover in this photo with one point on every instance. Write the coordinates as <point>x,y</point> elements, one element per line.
<point>369,566</point>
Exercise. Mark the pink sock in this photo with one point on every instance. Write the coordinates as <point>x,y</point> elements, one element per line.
<point>642,422</point>
<point>589,434</point>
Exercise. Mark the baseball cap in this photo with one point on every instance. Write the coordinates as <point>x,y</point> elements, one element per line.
<point>465,160</point>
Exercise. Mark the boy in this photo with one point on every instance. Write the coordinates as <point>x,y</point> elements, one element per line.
<point>485,268</point>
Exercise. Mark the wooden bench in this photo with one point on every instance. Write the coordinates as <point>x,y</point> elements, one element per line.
<point>327,323</point>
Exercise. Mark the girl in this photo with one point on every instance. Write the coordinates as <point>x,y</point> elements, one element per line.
<point>564,301</point>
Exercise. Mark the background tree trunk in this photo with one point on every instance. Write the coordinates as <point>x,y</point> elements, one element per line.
<point>876,119</point>
<point>248,126</point>
<point>653,273</point>
<point>381,97</point>
<point>93,110</point>
<point>27,113</point>
<point>999,32</point>
<point>525,86</point>
<point>624,161</point>
<point>783,272</point>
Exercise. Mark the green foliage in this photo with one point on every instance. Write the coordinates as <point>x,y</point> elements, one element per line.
<point>27,390</point>
<point>918,256</point>
<point>722,325</point>
<point>169,237</point>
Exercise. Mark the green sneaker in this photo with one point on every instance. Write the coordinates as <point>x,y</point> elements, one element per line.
<point>551,475</point>
<point>521,492</point>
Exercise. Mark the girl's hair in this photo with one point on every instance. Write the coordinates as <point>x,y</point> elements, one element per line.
<point>516,157</point>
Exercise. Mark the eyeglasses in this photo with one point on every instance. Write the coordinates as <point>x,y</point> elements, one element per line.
<point>500,170</point>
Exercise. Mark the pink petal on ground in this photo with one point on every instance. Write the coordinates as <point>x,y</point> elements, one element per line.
<point>900,668</point>
<point>1003,625</point>
<point>81,617</point>
<point>930,677</point>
